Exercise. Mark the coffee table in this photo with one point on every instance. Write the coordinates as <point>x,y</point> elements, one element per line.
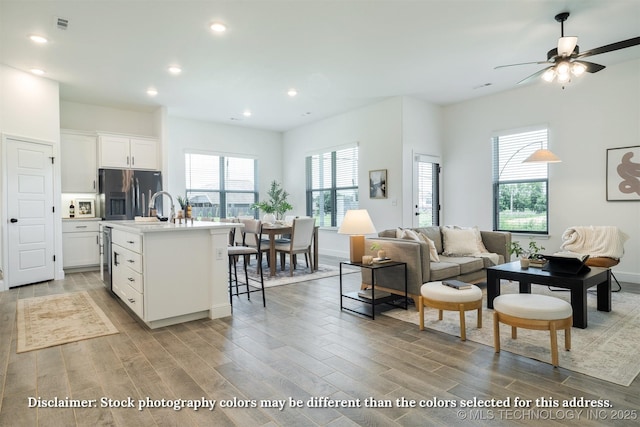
<point>577,284</point>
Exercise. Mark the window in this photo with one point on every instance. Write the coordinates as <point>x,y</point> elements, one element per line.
<point>520,189</point>
<point>332,185</point>
<point>220,187</point>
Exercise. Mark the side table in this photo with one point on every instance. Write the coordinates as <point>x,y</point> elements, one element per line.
<point>373,301</point>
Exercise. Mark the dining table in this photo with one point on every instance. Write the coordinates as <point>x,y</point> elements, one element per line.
<point>274,230</point>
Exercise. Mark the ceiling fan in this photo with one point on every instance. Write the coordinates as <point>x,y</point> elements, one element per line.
<point>566,59</point>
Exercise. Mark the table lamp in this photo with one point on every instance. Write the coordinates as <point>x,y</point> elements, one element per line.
<point>356,223</point>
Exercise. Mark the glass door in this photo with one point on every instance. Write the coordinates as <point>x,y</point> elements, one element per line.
<point>426,195</point>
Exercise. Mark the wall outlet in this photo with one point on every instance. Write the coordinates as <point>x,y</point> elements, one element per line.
<point>219,253</point>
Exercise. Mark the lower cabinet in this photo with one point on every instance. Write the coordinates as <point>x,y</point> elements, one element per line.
<point>127,277</point>
<point>80,243</point>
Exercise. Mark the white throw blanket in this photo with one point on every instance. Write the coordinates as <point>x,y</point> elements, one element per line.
<point>596,241</point>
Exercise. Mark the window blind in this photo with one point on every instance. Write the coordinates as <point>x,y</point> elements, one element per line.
<point>511,150</point>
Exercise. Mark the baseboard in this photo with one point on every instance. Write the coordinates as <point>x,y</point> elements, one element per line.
<point>625,276</point>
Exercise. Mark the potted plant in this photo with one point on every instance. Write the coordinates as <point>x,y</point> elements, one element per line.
<point>378,247</point>
<point>528,255</point>
<point>276,206</point>
<point>535,258</point>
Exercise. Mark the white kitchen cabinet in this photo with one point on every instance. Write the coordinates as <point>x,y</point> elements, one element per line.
<point>167,273</point>
<point>127,272</point>
<point>80,243</point>
<point>128,152</point>
<point>78,162</point>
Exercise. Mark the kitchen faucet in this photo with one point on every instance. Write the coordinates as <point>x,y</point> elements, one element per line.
<point>152,204</point>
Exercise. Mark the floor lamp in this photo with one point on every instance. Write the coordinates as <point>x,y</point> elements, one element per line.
<point>356,224</point>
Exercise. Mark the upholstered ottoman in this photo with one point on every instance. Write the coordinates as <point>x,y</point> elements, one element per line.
<point>532,311</point>
<point>441,297</point>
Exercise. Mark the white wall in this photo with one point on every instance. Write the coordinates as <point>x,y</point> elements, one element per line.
<point>421,134</point>
<point>77,116</point>
<point>29,108</point>
<point>186,134</point>
<point>378,129</point>
<point>597,112</point>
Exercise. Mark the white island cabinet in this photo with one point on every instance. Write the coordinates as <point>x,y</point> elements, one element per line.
<point>171,273</point>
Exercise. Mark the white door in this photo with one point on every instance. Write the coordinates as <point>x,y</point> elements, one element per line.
<point>30,212</point>
<point>426,184</point>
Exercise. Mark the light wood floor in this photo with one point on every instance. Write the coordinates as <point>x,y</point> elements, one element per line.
<point>301,346</point>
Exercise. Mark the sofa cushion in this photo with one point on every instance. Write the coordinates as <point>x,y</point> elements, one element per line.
<point>459,241</point>
<point>443,270</point>
<point>467,264</point>
<point>407,234</point>
<point>434,234</point>
<point>387,233</point>
<point>433,252</point>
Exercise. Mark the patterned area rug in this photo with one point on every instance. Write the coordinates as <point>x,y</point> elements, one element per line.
<point>59,319</point>
<point>300,274</point>
<point>607,349</point>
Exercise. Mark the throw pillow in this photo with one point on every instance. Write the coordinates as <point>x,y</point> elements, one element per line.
<point>459,241</point>
<point>433,252</point>
<point>409,235</point>
<point>481,247</point>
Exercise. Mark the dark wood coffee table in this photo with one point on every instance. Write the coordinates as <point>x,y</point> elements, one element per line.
<point>577,284</point>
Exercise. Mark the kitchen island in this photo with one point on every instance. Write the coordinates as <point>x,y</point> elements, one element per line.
<point>171,273</point>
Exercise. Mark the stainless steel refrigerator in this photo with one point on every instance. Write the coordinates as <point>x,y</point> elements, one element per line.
<point>125,193</point>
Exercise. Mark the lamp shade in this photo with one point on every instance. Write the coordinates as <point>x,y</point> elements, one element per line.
<point>542,156</point>
<point>356,221</point>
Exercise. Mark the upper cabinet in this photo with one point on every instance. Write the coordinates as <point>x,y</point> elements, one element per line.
<point>78,162</point>
<point>128,152</point>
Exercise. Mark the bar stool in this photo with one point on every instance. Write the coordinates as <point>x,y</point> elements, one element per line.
<point>246,252</point>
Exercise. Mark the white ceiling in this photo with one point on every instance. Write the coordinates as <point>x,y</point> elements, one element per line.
<point>339,55</point>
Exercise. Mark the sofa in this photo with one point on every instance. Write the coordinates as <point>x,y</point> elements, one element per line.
<point>436,253</point>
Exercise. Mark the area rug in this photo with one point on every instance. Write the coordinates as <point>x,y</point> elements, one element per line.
<point>300,274</point>
<point>59,319</point>
<point>607,349</point>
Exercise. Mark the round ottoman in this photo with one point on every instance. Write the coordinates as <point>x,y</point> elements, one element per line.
<point>532,311</point>
<point>441,297</point>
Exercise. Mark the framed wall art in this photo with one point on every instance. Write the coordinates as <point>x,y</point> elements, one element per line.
<point>623,174</point>
<point>85,208</point>
<point>378,184</point>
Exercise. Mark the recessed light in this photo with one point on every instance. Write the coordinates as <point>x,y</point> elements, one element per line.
<point>292,92</point>
<point>218,27</point>
<point>247,113</point>
<point>175,69</point>
<point>37,71</point>
<point>152,92</point>
<point>38,39</point>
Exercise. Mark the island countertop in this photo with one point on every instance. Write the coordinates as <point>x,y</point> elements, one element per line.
<point>168,273</point>
<point>164,226</point>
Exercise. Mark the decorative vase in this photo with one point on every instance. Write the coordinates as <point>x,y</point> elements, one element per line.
<point>382,253</point>
<point>524,262</point>
<point>269,218</point>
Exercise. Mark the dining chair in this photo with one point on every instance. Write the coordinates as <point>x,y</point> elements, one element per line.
<point>252,237</point>
<point>301,239</point>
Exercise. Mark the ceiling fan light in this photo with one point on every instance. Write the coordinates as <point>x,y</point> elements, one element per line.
<point>549,75</point>
<point>566,45</point>
<point>578,69</point>
<point>563,68</point>
<point>564,77</point>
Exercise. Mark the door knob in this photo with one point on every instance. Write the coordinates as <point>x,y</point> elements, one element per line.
<point>14,220</point>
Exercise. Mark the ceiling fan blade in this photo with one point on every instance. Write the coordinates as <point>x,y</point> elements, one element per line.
<point>521,63</point>
<point>591,67</point>
<point>610,47</point>
<point>533,76</point>
<point>566,45</point>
